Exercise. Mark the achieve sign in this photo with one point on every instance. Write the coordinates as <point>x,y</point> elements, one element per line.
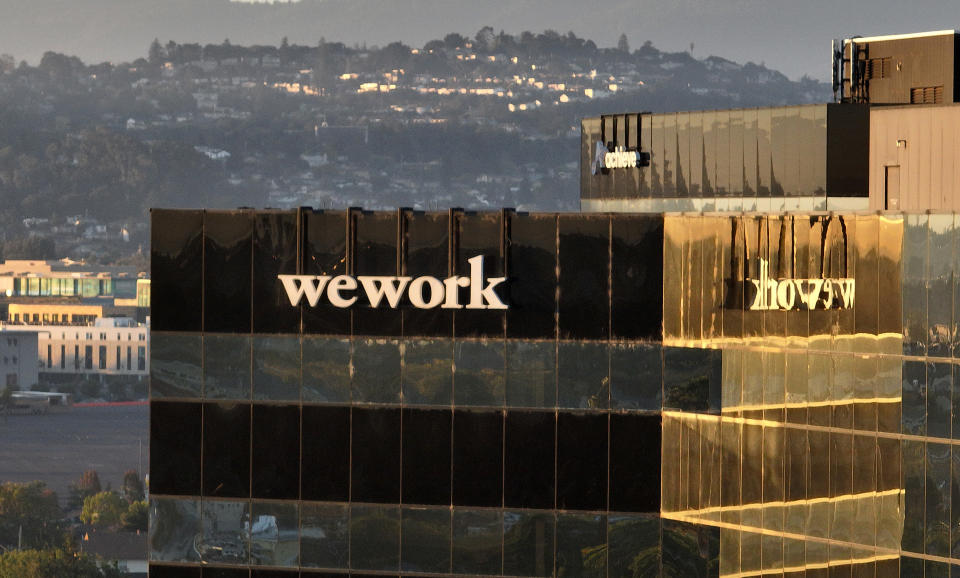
<point>788,294</point>
<point>422,292</point>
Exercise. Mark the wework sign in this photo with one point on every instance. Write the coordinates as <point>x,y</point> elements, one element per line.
<point>424,292</point>
<point>767,293</point>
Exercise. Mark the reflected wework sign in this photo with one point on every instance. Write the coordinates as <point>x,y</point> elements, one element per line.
<point>767,293</point>
<point>792,263</point>
<point>424,292</point>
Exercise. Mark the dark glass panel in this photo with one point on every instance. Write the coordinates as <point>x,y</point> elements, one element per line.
<point>428,372</point>
<point>581,461</point>
<point>326,370</point>
<point>657,157</point>
<point>374,537</point>
<point>939,404</point>
<point>376,371</point>
<point>477,541</point>
<point>581,545</point>
<point>910,566</point>
<point>810,153</point>
<point>176,361</point>
<point>690,550</point>
<point>584,256</point>
<point>274,573</point>
<point>480,234</point>
<point>275,534</point>
<point>173,525</point>
<point>276,368</point>
<point>214,572</point>
<point>324,535</point>
<point>940,285</point>
<point>955,503</point>
<point>480,373</point>
<point>427,253</point>
<point>750,167</point>
<point>426,456</point>
<point>477,458</point>
<point>274,253</point>
<point>175,435</point>
<point>590,135</point>
<point>672,183</point>
<point>426,540</point>
<point>708,155</point>
<point>934,569</point>
<point>528,543</point>
<point>914,398</point>
<point>637,276</point>
<point>937,530</point>
<point>157,571</point>
<point>326,453</point>
<point>226,367</point>
<point>533,276</point>
<point>914,460</point>
<point>531,374</point>
<point>325,253</point>
<point>635,463</point>
<point>176,260</point>
<point>375,451</point>
<point>226,450</point>
<point>913,284</point>
<point>890,247</point>
<point>377,254</point>
<point>529,450</point>
<point>225,538</point>
<point>686,378</point>
<point>634,546</point>
<point>584,375</point>
<point>228,246</point>
<point>785,152</point>
<point>276,452</point>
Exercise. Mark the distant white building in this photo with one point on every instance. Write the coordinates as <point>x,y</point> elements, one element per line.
<point>19,368</point>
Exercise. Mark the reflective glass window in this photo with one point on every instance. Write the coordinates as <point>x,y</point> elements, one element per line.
<point>426,540</point>
<point>426,456</point>
<point>584,375</point>
<point>584,258</point>
<point>228,245</point>
<point>480,373</point>
<point>531,374</point>
<point>226,368</point>
<point>375,537</point>
<point>636,279</point>
<point>581,461</point>
<point>274,253</point>
<point>225,538</point>
<point>635,462</point>
<point>528,543</point>
<point>634,545</point>
<point>175,435</point>
<point>324,535</point>
<point>480,234</point>
<point>325,254</point>
<point>427,372</point>
<point>276,452</point>
<point>226,450</point>
<point>529,450</point>
<point>477,541</point>
<point>326,370</point>
<point>376,370</point>
<point>173,525</point>
<point>275,534</point>
<point>176,365</point>
<point>477,458</point>
<point>325,453</point>
<point>375,451</point>
<point>427,253</point>
<point>581,545</point>
<point>176,260</point>
<point>276,368</point>
<point>376,254</point>
<point>532,260</point>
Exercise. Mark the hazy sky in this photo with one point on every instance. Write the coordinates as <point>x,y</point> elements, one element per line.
<point>792,36</point>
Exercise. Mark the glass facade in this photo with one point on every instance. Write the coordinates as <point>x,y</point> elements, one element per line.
<point>675,395</point>
<point>809,158</point>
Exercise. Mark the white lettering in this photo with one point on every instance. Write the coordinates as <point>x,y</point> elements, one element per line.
<point>452,287</point>
<point>338,284</point>
<point>377,287</point>
<point>621,158</point>
<point>416,292</point>
<point>478,295</point>
<point>787,294</point>
<point>298,286</point>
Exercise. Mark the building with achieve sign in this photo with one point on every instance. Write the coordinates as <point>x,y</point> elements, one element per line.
<point>762,387</point>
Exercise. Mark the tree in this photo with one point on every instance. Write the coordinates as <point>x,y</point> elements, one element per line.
<point>29,516</point>
<point>622,44</point>
<point>87,485</point>
<point>53,563</point>
<point>155,53</point>
<point>136,516</point>
<point>132,486</point>
<point>103,509</point>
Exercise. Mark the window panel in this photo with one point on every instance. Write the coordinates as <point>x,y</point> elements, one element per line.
<point>175,437</point>
<point>427,253</point>
<point>226,368</point>
<point>375,451</point>
<point>325,453</point>
<point>426,456</point>
<point>226,450</point>
<point>276,452</point>
<point>326,370</point>
<point>635,463</point>
<point>531,379</point>
<point>377,254</point>
<point>426,540</point>
<point>228,245</point>
<point>376,371</point>
<point>581,461</point>
<point>275,534</point>
<point>477,458</point>
<point>427,372</point>
<point>325,254</point>
<point>171,521</point>
<point>528,543</point>
<point>274,253</point>
<point>176,368</point>
<point>375,538</point>
<point>584,259</point>
<point>276,368</point>
<point>581,545</point>
<point>477,541</point>
<point>532,287</point>
<point>176,259</point>
<point>530,447</point>
<point>324,535</point>
<point>225,538</point>
<point>480,372</point>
